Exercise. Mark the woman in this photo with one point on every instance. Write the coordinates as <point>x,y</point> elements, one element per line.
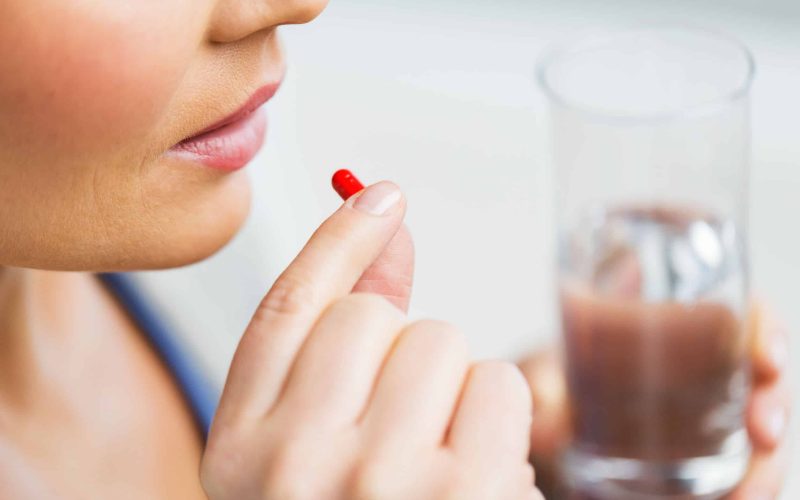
<point>123,130</point>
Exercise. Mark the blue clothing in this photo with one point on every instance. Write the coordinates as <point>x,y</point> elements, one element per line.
<point>200,395</point>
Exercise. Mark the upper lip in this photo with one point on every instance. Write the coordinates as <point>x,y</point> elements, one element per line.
<point>255,101</point>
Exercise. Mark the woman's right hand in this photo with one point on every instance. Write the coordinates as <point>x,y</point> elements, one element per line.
<point>335,395</point>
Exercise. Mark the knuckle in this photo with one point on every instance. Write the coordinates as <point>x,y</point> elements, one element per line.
<point>289,295</point>
<point>528,476</point>
<point>442,337</point>
<point>469,484</point>
<point>508,379</point>
<point>371,480</point>
<point>456,493</point>
<point>215,478</point>
<point>221,465</point>
<point>368,304</point>
<point>502,372</point>
<point>285,477</point>
<point>461,487</point>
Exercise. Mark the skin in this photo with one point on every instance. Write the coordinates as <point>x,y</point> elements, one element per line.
<point>93,94</point>
<point>95,101</point>
<point>334,394</point>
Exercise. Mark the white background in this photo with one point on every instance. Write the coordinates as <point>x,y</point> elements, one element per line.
<point>439,96</point>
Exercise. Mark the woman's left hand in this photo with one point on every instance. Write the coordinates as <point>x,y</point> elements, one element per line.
<point>767,414</point>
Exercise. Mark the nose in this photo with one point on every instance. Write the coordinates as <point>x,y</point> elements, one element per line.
<point>233,20</point>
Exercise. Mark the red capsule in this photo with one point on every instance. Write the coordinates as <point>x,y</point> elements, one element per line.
<point>346,184</point>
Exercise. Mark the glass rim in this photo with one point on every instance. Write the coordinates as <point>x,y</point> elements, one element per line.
<point>558,51</point>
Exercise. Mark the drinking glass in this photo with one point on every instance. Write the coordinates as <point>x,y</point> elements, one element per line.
<point>651,142</point>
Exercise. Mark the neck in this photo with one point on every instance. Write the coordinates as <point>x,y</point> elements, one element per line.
<point>43,329</point>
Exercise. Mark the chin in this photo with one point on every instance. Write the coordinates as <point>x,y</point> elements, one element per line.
<point>183,228</point>
<point>184,219</point>
<point>195,233</point>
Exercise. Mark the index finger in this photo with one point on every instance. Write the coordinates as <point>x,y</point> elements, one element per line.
<point>326,269</point>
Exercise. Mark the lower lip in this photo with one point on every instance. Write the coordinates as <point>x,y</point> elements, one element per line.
<point>227,148</point>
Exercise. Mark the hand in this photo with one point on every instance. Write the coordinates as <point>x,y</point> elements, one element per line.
<point>335,395</point>
<point>767,414</point>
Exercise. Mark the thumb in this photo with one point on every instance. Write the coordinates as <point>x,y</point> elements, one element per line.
<point>392,273</point>
<point>326,270</point>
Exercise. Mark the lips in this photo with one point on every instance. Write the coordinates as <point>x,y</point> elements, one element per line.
<point>230,143</point>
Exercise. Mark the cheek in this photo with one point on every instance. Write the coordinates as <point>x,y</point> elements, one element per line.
<point>91,78</point>
<point>88,93</point>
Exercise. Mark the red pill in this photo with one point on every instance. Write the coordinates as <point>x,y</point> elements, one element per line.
<point>346,184</point>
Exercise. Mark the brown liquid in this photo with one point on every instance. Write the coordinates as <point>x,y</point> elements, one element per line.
<point>653,381</point>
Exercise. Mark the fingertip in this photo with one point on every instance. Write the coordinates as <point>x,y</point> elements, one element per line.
<point>392,273</point>
<point>768,418</point>
<point>380,199</point>
<point>509,379</point>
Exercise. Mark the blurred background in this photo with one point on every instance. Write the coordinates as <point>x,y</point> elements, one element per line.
<point>439,96</point>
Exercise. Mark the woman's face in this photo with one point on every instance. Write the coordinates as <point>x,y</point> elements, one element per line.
<point>97,100</point>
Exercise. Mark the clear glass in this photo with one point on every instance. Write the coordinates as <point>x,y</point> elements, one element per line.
<point>651,142</point>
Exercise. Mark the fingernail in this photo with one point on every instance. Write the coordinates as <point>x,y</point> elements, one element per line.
<point>378,199</point>
<point>776,424</point>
